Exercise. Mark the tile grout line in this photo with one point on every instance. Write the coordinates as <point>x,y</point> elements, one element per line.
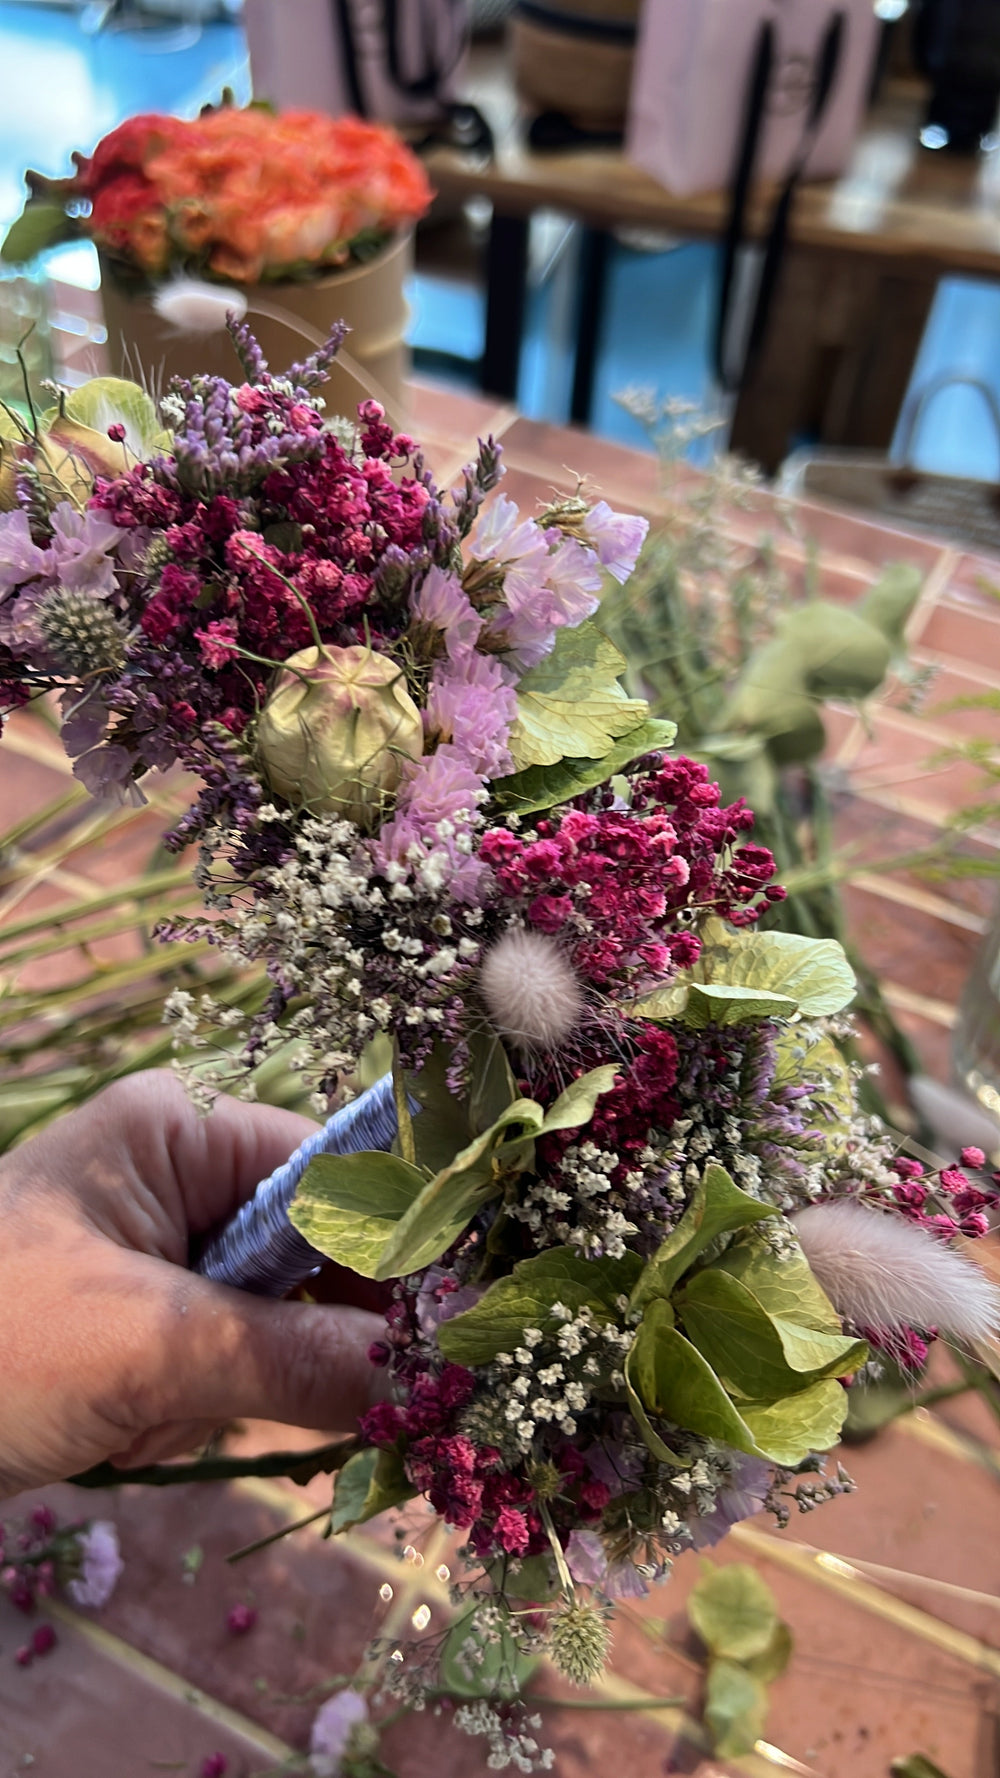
<point>931,593</point>
<point>864,1594</point>
<point>922,901</point>
<point>929,1429</point>
<point>164,1679</point>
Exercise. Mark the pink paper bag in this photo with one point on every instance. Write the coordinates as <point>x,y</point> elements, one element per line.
<point>692,67</point>
<point>394,61</point>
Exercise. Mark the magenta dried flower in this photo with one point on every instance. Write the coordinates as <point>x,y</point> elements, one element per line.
<point>240,1619</point>
<point>43,1639</point>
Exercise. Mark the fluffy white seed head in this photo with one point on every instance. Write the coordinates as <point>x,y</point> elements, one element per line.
<point>531,992</point>
<point>194,306</point>
<point>882,1272</point>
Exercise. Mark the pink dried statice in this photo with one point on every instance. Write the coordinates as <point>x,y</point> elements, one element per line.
<point>334,1727</point>
<point>472,703</point>
<point>100,1565</point>
<point>441,601</point>
<point>617,537</point>
<point>432,829</point>
<point>21,558</point>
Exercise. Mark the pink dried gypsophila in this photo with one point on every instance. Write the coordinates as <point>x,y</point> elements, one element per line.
<point>881,1272</point>
<point>531,990</point>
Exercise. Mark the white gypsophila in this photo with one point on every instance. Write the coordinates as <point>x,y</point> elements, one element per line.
<point>549,1381</point>
<point>354,958</point>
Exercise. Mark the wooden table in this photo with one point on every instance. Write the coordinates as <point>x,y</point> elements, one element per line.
<point>866,253</point>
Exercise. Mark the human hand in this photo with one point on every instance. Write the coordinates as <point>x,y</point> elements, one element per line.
<point>111,1347</point>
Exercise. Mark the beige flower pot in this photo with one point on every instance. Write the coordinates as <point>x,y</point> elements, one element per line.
<point>288,320</point>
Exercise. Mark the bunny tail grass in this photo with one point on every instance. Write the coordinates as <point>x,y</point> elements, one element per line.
<point>531,990</point>
<point>882,1272</point>
<point>194,306</point>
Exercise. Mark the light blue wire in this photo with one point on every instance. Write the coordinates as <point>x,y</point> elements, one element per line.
<point>259,1250</point>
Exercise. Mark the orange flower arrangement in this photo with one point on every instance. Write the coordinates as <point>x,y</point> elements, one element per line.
<point>245,195</point>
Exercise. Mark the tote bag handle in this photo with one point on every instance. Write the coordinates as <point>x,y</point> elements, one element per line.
<point>732,375</point>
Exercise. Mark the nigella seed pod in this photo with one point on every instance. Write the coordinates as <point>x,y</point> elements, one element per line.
<point>336,732</point>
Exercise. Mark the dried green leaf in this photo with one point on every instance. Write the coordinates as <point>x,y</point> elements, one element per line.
<point>571,706</point>
<point>734,1612</point>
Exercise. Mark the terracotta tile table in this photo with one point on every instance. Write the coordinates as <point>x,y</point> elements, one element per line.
<point>886,1663</point>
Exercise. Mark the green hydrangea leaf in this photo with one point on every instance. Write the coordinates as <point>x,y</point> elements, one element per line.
<point>525,1299</point>
<point>471,1666</point>
<point>348,1205</point>
<point>786,1431</point>
<point>734,1612</point>
<point>717,1207</point>
<point>725,1003</point>
<point>40,225</point>
<point>369,1483</point>
<point>546,786</point>
<point>735,1709</point>
<point>812,971</point>
<point>107,401</point>
<point>662,1006</point>
<point>785,1287</point>
<point>571,706</point>
<point>745,1347</point>
<point>674,1382</point>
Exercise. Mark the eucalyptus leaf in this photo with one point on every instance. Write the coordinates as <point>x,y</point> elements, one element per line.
<point>716,1207</point>
<point>745,1347</point>
<point>889,602</point>
<point>493,1085</point>
<point>575,1107</point>
<point>546,786</point>
<point>650,1437</point>
<point>735,1709</point>
<point>536,1580</point>
<point>788,1430</point>
<point>471,1666</point>
<point>447,1202</point>
<point>844,655</point>
<point>348,1206</point>
<point>571,706</point>
<point>39,226</point>
<point>734,1612</point>
<point>525,1299</point>
<point>812,971</point>
<point>370,1482</point>
<point>917,1765</point>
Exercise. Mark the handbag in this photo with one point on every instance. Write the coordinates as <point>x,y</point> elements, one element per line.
<point>396,61</point>
<point>694,63</point>
<point>960,508</point>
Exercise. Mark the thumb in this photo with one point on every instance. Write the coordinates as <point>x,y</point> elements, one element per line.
<point>206,1352</point>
